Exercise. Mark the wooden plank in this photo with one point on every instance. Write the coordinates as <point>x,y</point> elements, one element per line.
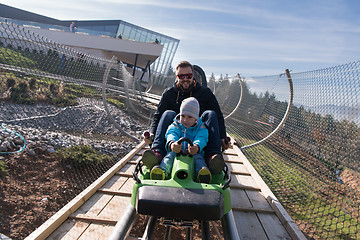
<point>92,219</point>
<point>97,232</point>
<point>58,218</point>
<point>97,207</point>
<point>228,153</point>
<point>122,174</point>
<point>286,220</point>
<point>233,161</point>
<point>127,170</point>
<point>236,168</point>
<point>114,192</point>
<point>243,182</point>
<point>231,151</point>
<point>240,173</point>
<point>69,230</point>
<point>231,158</point>
<point>115,208</point>
<point>239,199</point>
<point>247,180</point>
<point>109,214</point>
<point>249,226</point>
<point>273,227</point>
<point>255,210</point>
<point>258,200</point>
<point>94,205</point>
<point>243,187</point>
<point>284,217</point>
<point>136,158</point>
<point>115,183</point>
<point>128,186</point>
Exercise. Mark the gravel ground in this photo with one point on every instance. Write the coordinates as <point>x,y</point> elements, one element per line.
<point>38,184</point>
<point>49,127</point>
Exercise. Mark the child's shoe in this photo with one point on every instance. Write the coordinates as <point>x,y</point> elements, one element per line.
<point>204,175</point>
<point>157,173</point>
<point>150,159</point>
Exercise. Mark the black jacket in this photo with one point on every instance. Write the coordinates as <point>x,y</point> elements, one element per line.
<point>171,100</point>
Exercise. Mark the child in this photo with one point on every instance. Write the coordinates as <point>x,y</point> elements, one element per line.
<point>186,124</point>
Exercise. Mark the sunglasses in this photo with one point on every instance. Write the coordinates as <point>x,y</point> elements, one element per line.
<point>187,76</point>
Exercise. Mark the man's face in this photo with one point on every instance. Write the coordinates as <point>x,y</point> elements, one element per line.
<point>185,77</point>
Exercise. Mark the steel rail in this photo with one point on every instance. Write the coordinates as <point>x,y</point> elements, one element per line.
<point>286,115</point>
<point>240,98</point>
<point>106,74</point>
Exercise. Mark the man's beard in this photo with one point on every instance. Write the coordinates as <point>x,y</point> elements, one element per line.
<point>182,89</point>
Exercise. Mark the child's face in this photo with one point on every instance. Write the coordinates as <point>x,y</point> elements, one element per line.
<point>187,120</point>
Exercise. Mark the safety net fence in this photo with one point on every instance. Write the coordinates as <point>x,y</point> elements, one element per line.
<point>57,125</point>
<point>67,117</point>
<point>301,133</point>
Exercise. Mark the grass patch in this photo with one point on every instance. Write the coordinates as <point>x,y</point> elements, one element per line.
<point>80,90</point>
<point>3,169</point>
<point>16,58</point>
<point>82,156</point>
<point>63,101</point>
<point>32,90</point>
<point>116,102</point>
<point>323,206</point>
<point>328,219</point>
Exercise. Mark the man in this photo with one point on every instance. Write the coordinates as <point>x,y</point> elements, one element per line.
<point>185,86</point>
<point>73,27</point>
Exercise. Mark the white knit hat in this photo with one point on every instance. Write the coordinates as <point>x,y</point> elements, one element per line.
<point>190,106</point>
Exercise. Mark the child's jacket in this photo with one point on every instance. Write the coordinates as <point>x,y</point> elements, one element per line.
<point>198,134</point>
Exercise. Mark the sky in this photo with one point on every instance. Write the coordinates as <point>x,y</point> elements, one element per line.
<point>252,38</point>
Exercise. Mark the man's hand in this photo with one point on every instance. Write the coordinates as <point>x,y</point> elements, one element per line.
<point>225,143</point>
<point>175,147</point>
<point>193,149</point>
<point>148,137</point>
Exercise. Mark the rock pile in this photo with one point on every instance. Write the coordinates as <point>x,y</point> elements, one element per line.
<point>49,127</point>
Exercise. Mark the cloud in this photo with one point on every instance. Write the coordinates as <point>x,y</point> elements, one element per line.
<point>232,36</point>
<point>190,5</point>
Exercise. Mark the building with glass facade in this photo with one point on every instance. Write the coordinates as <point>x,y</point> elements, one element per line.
<point>104,28</point>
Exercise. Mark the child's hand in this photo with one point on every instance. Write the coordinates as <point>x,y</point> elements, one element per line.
<point>175,147</point>
<point>193,149</point>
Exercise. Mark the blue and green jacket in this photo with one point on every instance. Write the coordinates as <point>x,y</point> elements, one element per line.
<point>198,134</point>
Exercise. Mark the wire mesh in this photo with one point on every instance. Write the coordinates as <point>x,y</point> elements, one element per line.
<point>312,162</point>
<point>53,97</point>
<point>56,137</point>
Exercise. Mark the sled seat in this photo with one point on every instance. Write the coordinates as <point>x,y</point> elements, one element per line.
<point>180,203</point>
